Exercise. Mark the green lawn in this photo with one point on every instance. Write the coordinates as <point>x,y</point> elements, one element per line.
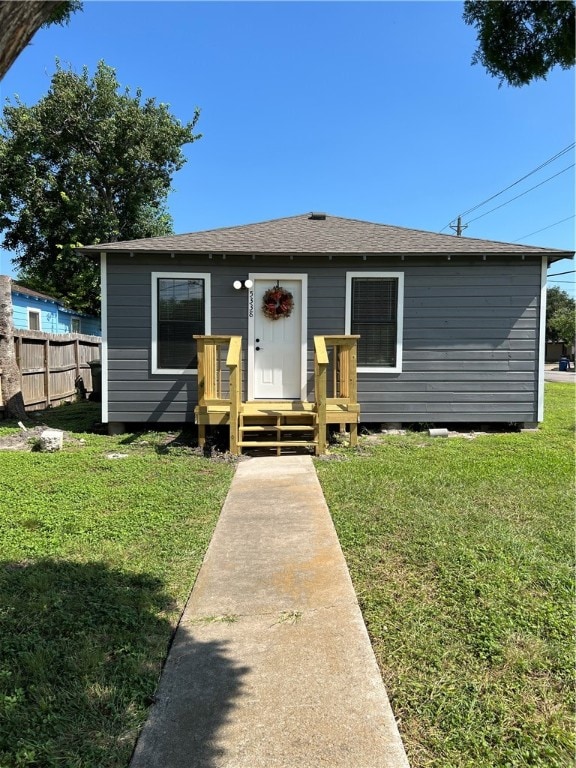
<point>98,556</point>
<point>461,552</point>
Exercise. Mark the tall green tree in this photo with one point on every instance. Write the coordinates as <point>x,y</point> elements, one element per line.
<point>522,40</point>
<point>560,316</point>
<point>87,164</point>
<point>19,22</point>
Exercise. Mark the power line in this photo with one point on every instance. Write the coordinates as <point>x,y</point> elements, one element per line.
<point>535,170</point>
<point>522,193</point>
<point>539,168</point>
<point>543,228</point>
<point>557,274</point>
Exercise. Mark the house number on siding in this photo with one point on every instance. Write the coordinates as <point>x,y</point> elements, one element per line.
<point>251,304</point>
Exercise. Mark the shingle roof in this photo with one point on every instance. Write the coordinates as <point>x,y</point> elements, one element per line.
<point>17,288</point>
<point>320,233</point>
<point>22,290</point>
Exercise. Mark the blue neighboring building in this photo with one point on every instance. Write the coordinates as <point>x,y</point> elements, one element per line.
<point>36,311</point>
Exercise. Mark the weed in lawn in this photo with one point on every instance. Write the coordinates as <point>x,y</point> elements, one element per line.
<point>228,618</point>
<point>288,617</point>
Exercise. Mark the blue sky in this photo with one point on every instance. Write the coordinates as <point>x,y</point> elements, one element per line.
<point>367,110</point>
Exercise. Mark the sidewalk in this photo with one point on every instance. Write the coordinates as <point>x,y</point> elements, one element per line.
<point>271,665</point>
<point>552,373</point>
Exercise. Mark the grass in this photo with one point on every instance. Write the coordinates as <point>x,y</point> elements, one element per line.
<point>461,552</point>
<point>98,556</point>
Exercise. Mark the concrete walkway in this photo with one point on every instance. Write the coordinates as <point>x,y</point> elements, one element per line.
<point>565,377</point>
<point>271,665</point>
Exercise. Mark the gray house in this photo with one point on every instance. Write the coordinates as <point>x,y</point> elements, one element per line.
<point>280,328</point>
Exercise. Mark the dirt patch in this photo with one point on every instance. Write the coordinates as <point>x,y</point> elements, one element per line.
<point>27,439</point>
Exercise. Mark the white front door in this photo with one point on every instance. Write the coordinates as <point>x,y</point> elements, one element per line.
<point>277,348</point>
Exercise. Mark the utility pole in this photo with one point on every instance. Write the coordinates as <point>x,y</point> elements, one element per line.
<point>458,227</point>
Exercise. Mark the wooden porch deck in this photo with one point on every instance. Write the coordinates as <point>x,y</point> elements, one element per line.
<point>277,424</point>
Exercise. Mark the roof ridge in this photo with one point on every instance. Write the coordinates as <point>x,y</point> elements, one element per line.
<point>238,226</point>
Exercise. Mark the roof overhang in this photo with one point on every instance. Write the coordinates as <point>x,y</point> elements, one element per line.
<point>551,256</point>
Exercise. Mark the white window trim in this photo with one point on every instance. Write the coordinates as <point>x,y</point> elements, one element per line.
<point>399,318</point>
<point>35,312</point>
<point>72,320</point>
<point>207,313</point>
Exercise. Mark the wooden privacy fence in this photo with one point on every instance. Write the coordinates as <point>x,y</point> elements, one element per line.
<point>52,365</point>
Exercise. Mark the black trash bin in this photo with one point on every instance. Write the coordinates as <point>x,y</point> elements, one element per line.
<point>564,364</point>
<point>96,371</point>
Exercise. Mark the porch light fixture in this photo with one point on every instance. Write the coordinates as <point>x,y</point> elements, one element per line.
<point>238,284</point>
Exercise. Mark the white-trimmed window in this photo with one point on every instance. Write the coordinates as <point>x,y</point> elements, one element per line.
<point>374,310</point>
<point>75,325</point>
<point>180,310</point>
<point>34,320</point>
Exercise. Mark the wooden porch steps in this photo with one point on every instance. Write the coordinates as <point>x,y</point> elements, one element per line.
<point>278,444</point>
<point>277,428</point>
<point>258,407</point>
<point>277,425</point>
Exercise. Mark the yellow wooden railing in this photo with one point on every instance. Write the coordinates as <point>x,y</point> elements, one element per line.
<point>234,363</point>
<point>220,396</point>
<point>209,351</point>
<point>321,362</point>
<point>339,353</point>
<point>211,387</point>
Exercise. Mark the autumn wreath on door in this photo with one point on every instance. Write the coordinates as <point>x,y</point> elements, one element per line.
<point>277,302</point>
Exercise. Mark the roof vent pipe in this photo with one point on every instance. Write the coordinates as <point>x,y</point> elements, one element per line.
<point>317,216</point>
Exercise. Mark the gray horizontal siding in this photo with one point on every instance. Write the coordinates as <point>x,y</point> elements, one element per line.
<point>470,334</point>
